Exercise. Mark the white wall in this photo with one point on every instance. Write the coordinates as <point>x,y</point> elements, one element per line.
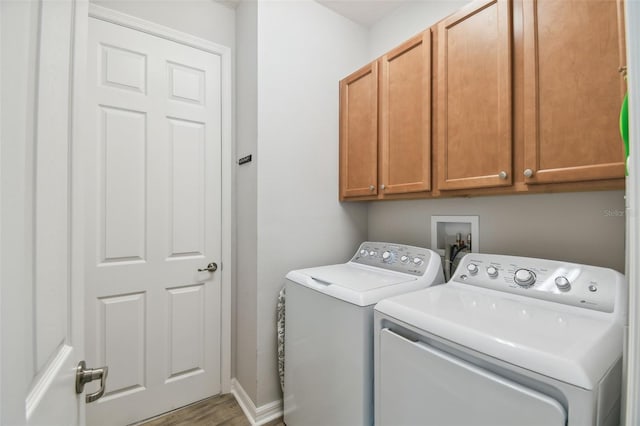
<point>575,226</point>
<point>245,320</point>
<point>202,18</point>
<point>407,21</point>
<point>304,49</point>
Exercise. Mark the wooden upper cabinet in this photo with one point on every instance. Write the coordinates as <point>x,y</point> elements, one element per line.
<point>405,117</point>
<point>359,133</point>
<point>573,91</point>
<point>474,104</point>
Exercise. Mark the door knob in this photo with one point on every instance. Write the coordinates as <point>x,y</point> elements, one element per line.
<point>85,375</point>
<point>212,267</point>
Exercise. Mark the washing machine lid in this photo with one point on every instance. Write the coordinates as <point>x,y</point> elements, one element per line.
<point>360,285</point>
<point>547,338</point>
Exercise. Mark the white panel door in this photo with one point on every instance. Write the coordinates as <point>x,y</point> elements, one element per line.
<point>42,323</point>
<point>153,220</point>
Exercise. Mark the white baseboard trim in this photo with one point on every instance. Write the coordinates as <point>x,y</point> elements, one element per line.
<point>256,415</point>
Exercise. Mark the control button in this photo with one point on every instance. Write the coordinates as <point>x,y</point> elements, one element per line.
<point>563,283</point>
<point>593,288</point>
<point>364,253</point>
<point>388,257</point>
<point>373,253</point>
<point>404,259</point>
<point>472,268</point>
<point>524,278</point>
<point>417,261</point>
<point>492,271</point>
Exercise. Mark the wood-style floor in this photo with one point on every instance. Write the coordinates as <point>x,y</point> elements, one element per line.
<point>222,410</point>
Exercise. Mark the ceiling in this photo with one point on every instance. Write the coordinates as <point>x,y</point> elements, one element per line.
<point>365,12</point>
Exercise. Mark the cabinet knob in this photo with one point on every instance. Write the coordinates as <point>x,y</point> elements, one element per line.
<point>528,173</point>
<point>372,188</point>
<point>503,175</point>
<point>382,187</point>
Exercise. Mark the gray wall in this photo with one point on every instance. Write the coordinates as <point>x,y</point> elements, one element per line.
<point>407,21</point>
<point>303,50</point>
<point>584,227</point>
<point>202,18</point>
<point>245,320</point>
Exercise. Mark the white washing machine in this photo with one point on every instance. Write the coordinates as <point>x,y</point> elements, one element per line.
<point>328,376</point>
<point>507,341</point>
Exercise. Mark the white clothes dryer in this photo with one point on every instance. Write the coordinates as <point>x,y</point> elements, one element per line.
<point>507,341</point>
<point>328,376</point>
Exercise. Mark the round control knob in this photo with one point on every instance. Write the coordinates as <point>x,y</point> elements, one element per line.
<point>417,261</point>
<point>373,253</point>
<point>388,257</point>
<point>524,278</point>
<point>363,253</point>
<point>563,283</point>
<point>492,271</point>
<point>472,268</point>
<point>404,259</point>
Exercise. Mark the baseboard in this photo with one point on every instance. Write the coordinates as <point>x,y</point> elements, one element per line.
<point>256,415</point>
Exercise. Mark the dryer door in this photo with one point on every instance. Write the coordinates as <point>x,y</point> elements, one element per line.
<point>422,385</point>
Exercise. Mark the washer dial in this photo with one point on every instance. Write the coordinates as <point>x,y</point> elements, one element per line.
<point>563,283</point>
<point>388,257</point>
<point>492,271</point>
<point>524,278</point>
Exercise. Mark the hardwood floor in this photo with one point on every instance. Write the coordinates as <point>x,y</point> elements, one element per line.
<point>222,410</point>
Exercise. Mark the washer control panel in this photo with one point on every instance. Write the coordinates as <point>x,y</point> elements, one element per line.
<point>584,286</point>
<point>394,257</point>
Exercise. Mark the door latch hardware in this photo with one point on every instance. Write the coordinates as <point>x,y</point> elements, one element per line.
<point>212,267</point>
<point>85,375</point>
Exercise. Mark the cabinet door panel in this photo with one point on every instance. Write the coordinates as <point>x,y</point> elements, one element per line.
<point>474,97</point>
<point>572,52</point>
<point>405,128</point>
<point>359,133</point>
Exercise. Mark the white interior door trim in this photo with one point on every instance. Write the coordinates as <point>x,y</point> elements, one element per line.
<point>632,410</point>
<point>224,53</point>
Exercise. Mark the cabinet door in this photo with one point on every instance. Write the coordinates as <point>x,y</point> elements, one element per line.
<point>359,133</point>
<point>573,91</point>
<point>405,117</point>
<point>474,113</point>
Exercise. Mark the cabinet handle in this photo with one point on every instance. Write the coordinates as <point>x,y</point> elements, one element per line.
<point>503,175</point>
<point>382,187</point>
<point>528,173</point>
<point>372,188</point>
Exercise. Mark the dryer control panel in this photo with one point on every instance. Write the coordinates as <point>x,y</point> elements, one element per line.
<point>584,286</point>
<point>394,257</point>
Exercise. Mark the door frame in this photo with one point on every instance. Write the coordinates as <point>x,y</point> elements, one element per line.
<point>631,393</point>
<point>226,266</point>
